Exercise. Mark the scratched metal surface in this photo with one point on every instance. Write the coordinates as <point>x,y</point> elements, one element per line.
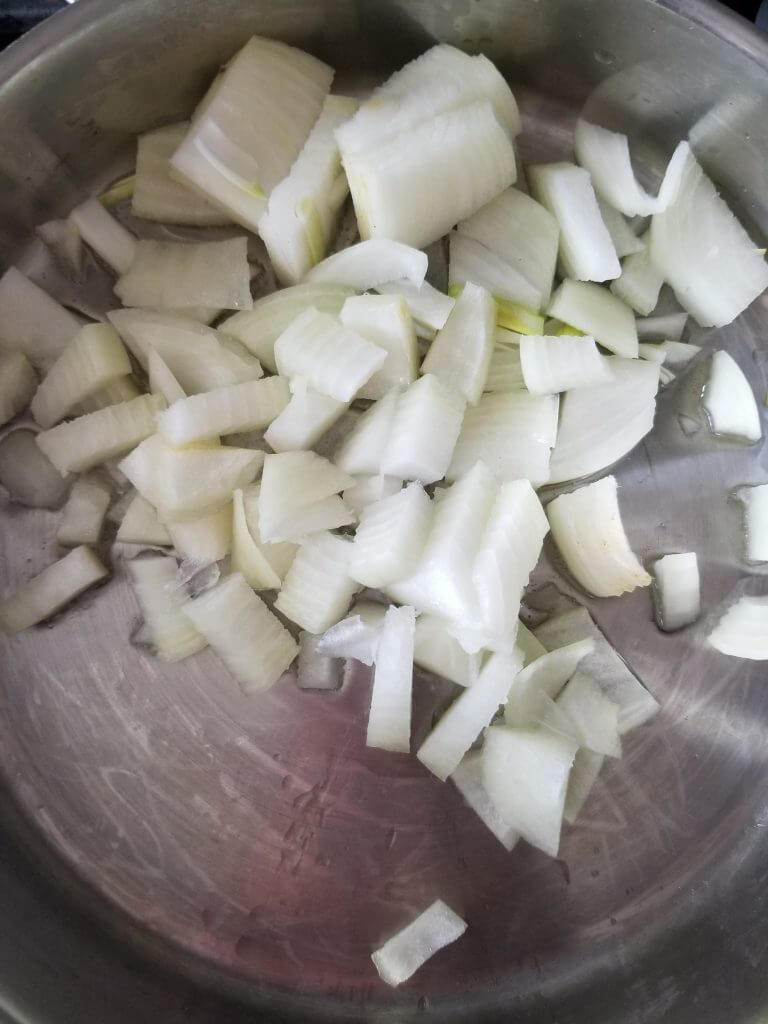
<point>256,842</point>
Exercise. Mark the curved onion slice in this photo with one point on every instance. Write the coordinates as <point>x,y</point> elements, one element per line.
<point>605,155</point>
<point>676,590</point>
<point>29,477</point>
<point>729,402</point>
<point>543,677</point>
<point>370,263</point>
<point>586,526</point>
<point>291,483</point>
<point>550,365</point>
<point>17,384</point>
<point>436,650</point>
<point>389,718</point>
<point>43,595</point>
<point>403,954</point>
<point>461,353</point>
<point>33,322</point>
<point>161,601</point>
<point>105,235</point>
<point>595,311</point>
<point>743,631</point>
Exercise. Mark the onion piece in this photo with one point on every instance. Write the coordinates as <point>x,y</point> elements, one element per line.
<point>247,556</point>
<point>278,555</point>
<point>525,772</point>
<point>393,182</point>
<point>161,601</point>
<point>363,448</point>
<point>356,636</point>
<point>438,80</point>
<point>204,539</point>
<point>636,705</point>
<point>743,631</point>
<point>542,679</point>
<point>140,524</point>
<point>46,593</point>
<point>390,537</point>
<point>598,313</point>
<point>385,321</point>
<point>511,316</point>
<point>755,502</point>
<point>441,582</point>
<point>259,328</point>
<point>505,371</point>
<point>33,322</point>
<point>653,353</point>
<point>105,235</point>
<point>704,253</point>
<point>729,402</point>
<point>586,526</point>
<point>371,263</point>
<point>162,380</point>
<point>529,647</point>
<point>156,195</point>
<point>316,671</point>
<point>437,651</point>
<point>428,306</point>
<point>93,359</point>
<point>586,768</point>
<point>292,482</point>
<point>423,431</point>
<point>624,239</point>
<point>63,239</point>
<point>605,155</point>
<point>593,715</point>
<point>83,513</point>
<point>317,589</point>
<point>586,248</point>
<point>368,489</point>
<point>175,275</point>
<point>468,779</point>
<point>524,235</point>
<point>122,389</point>
<point>661,327</point>
<point>601,424</point>
<point>403,954</point>
<point>470,713</point>
<point>304,420</point>
<point>550,365</point>
<point>513,433</point>
<point>27,475</point>
<point>231,410</point>
<point>461,353</point>
<point>639,283</point>
<point>678,353</point>
<point>389,718</point>
<point>85,442</point>
<point>234,153</point>
<point>17,384</point>
<point>249,639</point>
<point>676,591</point>
<point>471,261</point>
<point>331,358</point>
<point>302,209</point>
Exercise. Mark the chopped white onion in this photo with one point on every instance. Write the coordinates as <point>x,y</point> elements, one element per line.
<point>85,442</point>
<point>316,671</point>
<point>390,537</point>
<point>603,664</point>
<point>595,311</point>
<point>676,590</point>
<point>505,371</point>
<point>662,326</point>
<point>247,557</point>
<point>654,353</point>
<point>529,647</point>
<point>403,954</point>
<point>356,636</point>
<point>704,253</point>
<point>755,502</point>
<point>63,238</point>
<point>317,589</point>
<point>371,263</point>
<point>141,525</point>
<point>605,155</point>
<point>729,401</point>
<point>550,365</point>
<point>586,248</point>
<point>231,410</point>
<point>460,355</point>
<point>423,431</point>
<point>332,359</point>
<point>156,195</point>
<point>624,239</point>
<point>389,718</point>
<point>599,425</point>
<point>302,209</point>
<point>436,650</point>
<point>204,539</point>
<point>291,483</point>
<point>416,185</point>
<point>543,678</point>
<point>83,514</point>
<point>678,353</point>
<point>513,433</point>
<point>105,235</point>
<point>743,631</point>
<point>279,555</point>
<point>468,779</point>
<point>639,283</point>
<point>28,476</point>
<point>368,489</point>
<point>123,389</point>
<point>259,328</point>
<point>385,321</point>
<point>162,380</point>
<point>594,716</point>
<point>161,601</point>
<point>43,595</point>
<point>586,526</point>
<point>364,446</point>
<point>428,306</point>
<point>17,384</point>
<point>33,322</point>
<point>525,772</point>
<point>249,639</point>
<point>93,359</point>
<point>586,768</point>
<point>470,713</point>
<point>251,125</point>
<point>176,275</point>
<point>471,261</point>
<point>304,420</point>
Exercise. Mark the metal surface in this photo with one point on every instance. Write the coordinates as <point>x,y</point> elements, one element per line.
<point>242,853</point>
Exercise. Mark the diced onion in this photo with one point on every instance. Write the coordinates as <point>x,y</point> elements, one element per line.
<point>598,313</point>
<point>461,353</point>
<point>141,525</point>
<point>468,779</point>
<point>317,589</point>
<point>385,321</point>
<point>390,537</point>
<point>403,954</point>
<point>231,410</point>
<point>32,321</point>
<point>550,365</point>
<point>46,593</point>
<point>729,401</point>
<point>363,448</point>
<point>624,239</point>
<point>105,235</point>
<point>593,715</point>
<point>356,636</point>
<point>291,483</point>
<point>543,677</point>
<point>436,650</point>
<point>83,513</point>
<point>389,718</point>
<point>162,380</point>
<point>161,601</point>
<point>423,431</point>
<point>586,768</point>
<point>676,590</point>
<point>371,263</point>
<point>368,489</point>
<point>17,384</point>
<point>755,502</point>
<point>639,283</point>
<point>428,306</point>
<point>304,420</point>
